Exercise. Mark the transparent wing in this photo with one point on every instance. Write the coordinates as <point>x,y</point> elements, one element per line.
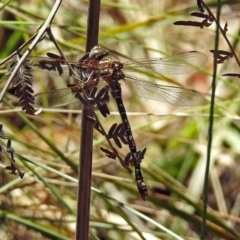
<point>61,98</point>
<point>178,64</point>
<point>170,94</point>
<point>65,98</point>
<point>56,67</point>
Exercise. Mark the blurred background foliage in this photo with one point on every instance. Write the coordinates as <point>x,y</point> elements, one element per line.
<point>43,204</point>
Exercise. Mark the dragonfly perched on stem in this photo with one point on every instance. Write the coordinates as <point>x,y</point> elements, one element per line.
<point>98,68</point>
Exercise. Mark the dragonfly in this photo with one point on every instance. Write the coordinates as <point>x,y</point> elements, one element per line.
<point>99,68</point>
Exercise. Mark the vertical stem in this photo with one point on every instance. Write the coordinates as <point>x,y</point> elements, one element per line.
<point>85,164</point>
<point>210,129</point>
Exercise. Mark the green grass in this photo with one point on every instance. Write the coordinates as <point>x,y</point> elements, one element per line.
<point>43,204</point>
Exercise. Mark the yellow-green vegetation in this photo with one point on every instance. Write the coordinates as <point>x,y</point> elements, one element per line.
<point>42,205</point>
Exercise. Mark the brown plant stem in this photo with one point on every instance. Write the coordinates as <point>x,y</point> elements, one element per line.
<point>85,163</point>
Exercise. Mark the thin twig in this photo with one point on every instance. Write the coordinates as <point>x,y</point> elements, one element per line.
<point>9,152</point>
<point>18,50</point>
<point>37,38</point>
<point>52,38</point>
<point>222,32</point>
<point>111,146</point>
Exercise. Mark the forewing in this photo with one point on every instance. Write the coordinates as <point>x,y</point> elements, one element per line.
<point>55,67</point>
<point>178,64</point>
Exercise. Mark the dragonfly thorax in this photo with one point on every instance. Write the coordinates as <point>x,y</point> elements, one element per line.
<point>110,70</point>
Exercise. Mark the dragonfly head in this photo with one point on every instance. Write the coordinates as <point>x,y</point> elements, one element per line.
<point>98,53</point>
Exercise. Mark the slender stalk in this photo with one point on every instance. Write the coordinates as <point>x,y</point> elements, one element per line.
<point>85,163</point>
<point>210,129</point>
<point>39,35</point>
<point>222,32</point>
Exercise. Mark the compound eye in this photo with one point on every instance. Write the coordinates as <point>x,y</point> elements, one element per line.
<point>117,65</point>
<point>98,52</point>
